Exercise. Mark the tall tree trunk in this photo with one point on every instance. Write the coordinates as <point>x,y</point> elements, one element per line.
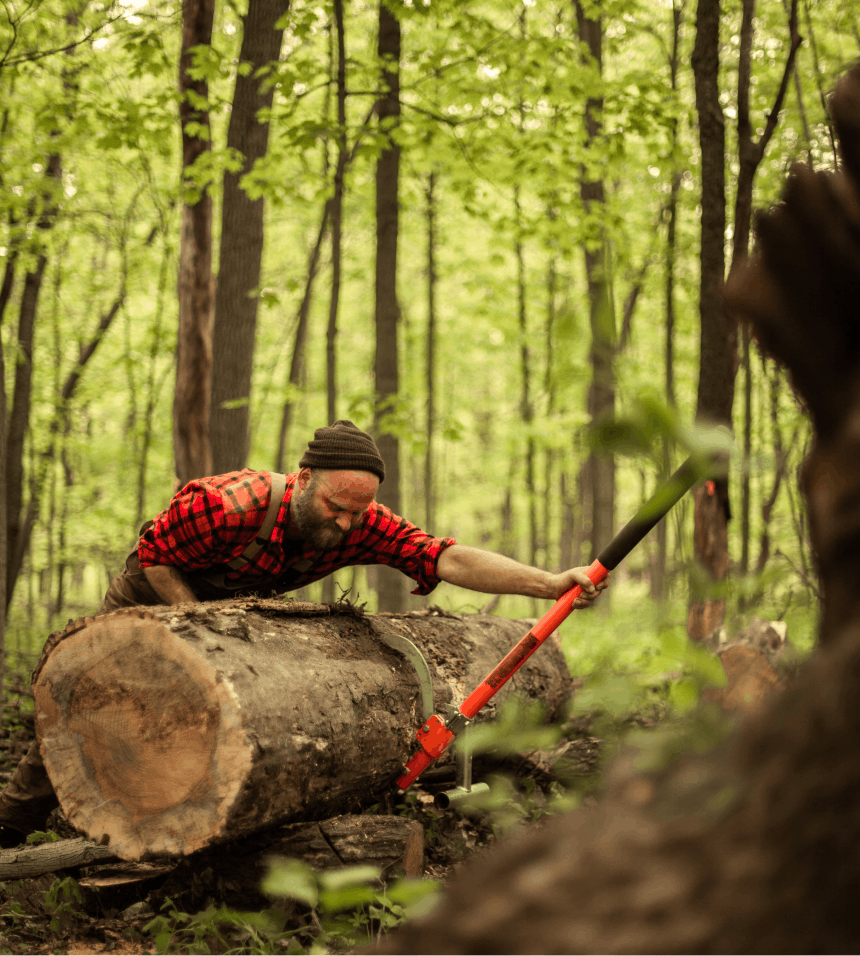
<point>526,404</point>
<point>431,350</point>
<point>297,363</point>
<point>549,390</point>
<point>336,242</point>
<point>336,217</point>
<point>718,331</point>
<point>750,154</point>
<point>601,392</point>
<point>4,551</point>
<point>19,414</point>
<point>192,401</point>
<point>658,578</point>
<point>391,584</point>
<point>235,322</point>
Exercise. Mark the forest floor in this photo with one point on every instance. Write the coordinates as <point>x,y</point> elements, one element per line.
<point>42,915</point>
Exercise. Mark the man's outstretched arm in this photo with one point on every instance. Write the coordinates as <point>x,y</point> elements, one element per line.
<point>495,574</point>
<point>169,584</point>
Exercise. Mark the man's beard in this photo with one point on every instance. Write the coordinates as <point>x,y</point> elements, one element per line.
<point>315,530</point>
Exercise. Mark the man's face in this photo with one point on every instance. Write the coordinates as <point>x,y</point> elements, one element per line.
<point>329,504</point>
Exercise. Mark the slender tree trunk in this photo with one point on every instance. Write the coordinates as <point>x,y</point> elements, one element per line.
<point>601,393</point>
<point>337,217</point>
<point>298,359</point>
<point>8,281</point>
<point>659,590</point>
<point>750,154</point>
<point>192,401</point>
<point>239,266</point>
<point>19,414</point>
<point>431,350</point>
<point>549,390</point>
<point>4,551</point>
<point>336,242</point>
<point>392,591</point>
<point>526,404</point>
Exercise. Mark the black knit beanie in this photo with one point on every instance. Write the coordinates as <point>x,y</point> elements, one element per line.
<point>343,445</point>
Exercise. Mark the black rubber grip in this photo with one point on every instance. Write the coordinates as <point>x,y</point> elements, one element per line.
<point>663,500</point>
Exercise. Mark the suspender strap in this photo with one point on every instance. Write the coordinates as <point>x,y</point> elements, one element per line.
<point>279,488</point>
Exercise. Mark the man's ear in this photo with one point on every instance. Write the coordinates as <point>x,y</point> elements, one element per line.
<point>304,478</point>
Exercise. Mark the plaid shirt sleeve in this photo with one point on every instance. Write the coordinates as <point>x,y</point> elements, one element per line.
<point>196,531</point>
<point>392,540</point>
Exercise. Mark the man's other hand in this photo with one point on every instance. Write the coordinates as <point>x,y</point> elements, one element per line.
<point>569,579</point>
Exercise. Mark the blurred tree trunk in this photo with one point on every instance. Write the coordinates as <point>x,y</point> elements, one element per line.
<point>191,406</point>
<point>658,577</point>
<point>235,322</point>
<point>336,217</point>
<point>431,351</point>
<point>336,242</point>
<point>526,403</point>
<point>547,531</point>
<point>750,155</point>
<point>4,552</point>
<point>719,358</point>
<point>297,362</point>
<point>601,393</point>
<point>19,414</point>
<point>391,584</point>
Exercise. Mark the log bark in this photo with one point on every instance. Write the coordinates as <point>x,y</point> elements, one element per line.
<point>166,729</point>
<point>23,863</point>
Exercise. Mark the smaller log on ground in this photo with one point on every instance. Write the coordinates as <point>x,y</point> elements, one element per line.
<point>756,662</point>
<point>117,887</point>
<point>234,871</point>
<point>27,862</point>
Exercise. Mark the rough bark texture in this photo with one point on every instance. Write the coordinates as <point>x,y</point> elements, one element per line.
<point>390,585</point>
<point>753,846</point>
<point>336,216</point>
<point>26,862</point>
<point>242,241</point>
<point>191,404</point>
<point>601,390</point>
<point>718,336</point>
<point>167,729</point>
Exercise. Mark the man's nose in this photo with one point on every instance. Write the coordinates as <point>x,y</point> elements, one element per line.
<point>344,522</point>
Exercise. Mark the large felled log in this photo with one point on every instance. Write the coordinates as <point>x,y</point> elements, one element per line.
<point>166,729</point>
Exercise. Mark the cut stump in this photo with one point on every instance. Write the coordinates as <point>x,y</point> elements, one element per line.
<point>167,729</point>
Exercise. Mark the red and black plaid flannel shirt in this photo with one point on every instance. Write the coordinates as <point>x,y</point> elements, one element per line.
<point>212,520</point>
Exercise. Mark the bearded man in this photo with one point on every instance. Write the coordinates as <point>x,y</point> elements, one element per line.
<point>256,532</point>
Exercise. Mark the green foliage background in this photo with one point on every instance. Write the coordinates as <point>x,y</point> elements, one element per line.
<point>493,98</point>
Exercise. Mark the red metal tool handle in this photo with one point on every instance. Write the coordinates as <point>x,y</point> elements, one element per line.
<point>550,622</point>
<point>436,735</point>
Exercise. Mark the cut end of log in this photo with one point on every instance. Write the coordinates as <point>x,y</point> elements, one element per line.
<point>141,739</point>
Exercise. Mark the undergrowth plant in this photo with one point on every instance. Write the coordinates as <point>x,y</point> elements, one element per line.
<point>338,911</point>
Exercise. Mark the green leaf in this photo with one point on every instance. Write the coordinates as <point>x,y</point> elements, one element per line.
<point>349,876</point>
<point>292,879</point>
<point>162,942</point>
<point>346,897</point>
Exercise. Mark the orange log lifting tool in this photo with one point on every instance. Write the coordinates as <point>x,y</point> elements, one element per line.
<point>436,734</point>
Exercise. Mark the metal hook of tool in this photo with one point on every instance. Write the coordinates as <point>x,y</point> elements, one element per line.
<point>465,788</point>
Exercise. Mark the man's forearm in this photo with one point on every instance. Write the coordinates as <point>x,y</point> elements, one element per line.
<point>169,584</point>
<point>493,573</point>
